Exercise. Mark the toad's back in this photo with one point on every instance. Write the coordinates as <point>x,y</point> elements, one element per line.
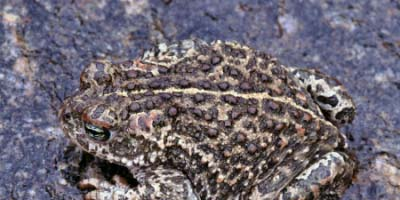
<point>227,115</point>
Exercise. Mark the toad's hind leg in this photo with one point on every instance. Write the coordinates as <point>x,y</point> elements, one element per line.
<point>328,93</point>
<point>325,179</point>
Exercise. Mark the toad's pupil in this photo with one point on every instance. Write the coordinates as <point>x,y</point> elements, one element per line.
<point>96,132</point>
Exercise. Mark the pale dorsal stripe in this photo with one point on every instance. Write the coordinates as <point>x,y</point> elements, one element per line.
<point>258,96</point>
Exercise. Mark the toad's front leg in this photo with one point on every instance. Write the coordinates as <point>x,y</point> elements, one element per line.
<point>153,184</point>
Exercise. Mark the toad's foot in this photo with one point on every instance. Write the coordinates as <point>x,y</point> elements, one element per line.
<point>325,179</point>
<point>105,190</point>
<point>155,184</point>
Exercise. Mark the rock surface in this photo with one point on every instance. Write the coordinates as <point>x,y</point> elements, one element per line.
<point>44,45</point>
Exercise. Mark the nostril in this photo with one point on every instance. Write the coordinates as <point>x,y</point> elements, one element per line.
<point>65,113</point>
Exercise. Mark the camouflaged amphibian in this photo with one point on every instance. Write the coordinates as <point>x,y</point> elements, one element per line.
<point>212,121</point>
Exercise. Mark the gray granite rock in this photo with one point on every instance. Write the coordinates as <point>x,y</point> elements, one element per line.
<point>45,44</point>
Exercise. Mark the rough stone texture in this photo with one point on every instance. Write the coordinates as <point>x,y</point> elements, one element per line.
<point>44,45</point>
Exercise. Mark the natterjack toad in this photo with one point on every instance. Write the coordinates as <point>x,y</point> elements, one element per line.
<point>212,121</point>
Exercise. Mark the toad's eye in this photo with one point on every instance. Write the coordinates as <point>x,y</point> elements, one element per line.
<point>97,133</point>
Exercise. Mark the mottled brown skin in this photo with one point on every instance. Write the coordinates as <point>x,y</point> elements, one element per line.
<point>228,121</point>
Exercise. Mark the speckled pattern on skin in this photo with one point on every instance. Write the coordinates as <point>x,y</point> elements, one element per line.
<point>194,120</point>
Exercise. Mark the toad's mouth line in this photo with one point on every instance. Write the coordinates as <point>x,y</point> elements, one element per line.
<point>258,96</point>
